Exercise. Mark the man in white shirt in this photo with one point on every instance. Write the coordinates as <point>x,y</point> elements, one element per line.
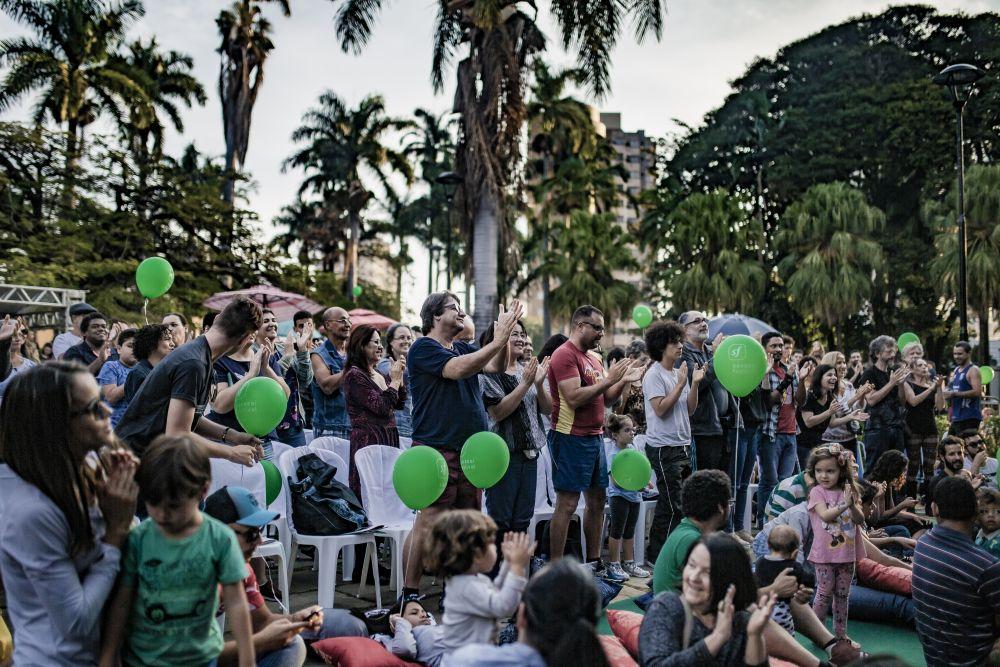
<point>74,336</point>
<point>976,460</point>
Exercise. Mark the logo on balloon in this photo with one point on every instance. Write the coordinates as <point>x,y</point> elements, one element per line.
<point>737,352</point>
<point>484,459</point>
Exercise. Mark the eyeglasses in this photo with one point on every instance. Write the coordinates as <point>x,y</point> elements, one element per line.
<point>249,534</point>
<point>697,320</point>
<point>593,326</point>
<point>94,409</point>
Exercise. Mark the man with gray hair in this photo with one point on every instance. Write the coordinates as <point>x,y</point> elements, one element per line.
<point>448,405</point>
<point>329,402</point>
<point>714,418</point>
<point>884,430</point>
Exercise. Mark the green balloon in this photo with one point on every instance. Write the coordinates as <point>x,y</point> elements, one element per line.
<point>642,316</point>
<point>357,290</point>
<point>260,406</point>
<point>740,364</point>
<point>986,372</point>
<point>272,482</point>
<point>484,459</point>
<point>419,476</point>
<point>905,339</point>
<point>154,277</point>
<point>631,470</point>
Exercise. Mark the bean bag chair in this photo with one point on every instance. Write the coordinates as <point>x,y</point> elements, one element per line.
<point>616,654</point>
<point>625,626</point>
<point>884,578</point>
<point>358,652</point>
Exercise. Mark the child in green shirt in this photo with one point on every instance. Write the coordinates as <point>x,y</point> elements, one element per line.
<point>988,510</point>
<point>173,566</point>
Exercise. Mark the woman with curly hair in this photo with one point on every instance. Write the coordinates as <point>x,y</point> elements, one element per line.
<point>889,475</point>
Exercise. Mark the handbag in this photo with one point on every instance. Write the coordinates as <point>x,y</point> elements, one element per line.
<point>321,505</point>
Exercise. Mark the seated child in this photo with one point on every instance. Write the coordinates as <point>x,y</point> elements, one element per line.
<point>462,547</point>
<point>174,563</point>
<point>415,635</point>
<point>989,520</point>
<point>783,547</point>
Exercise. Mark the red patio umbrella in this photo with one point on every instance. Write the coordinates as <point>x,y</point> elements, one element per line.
<point>371,318</point>
<point>284,304</point>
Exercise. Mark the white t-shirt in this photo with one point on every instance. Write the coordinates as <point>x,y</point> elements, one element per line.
<point>63,342</point>
<point>674,428</point>
<point>988,471</point>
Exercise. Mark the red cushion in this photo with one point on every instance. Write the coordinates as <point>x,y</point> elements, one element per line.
<point>625,625</point>
<point>616,653</point>
<point>884,578</point>
<point>358,652</point>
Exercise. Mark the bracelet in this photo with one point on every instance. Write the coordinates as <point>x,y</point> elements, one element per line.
<point>225,433</point>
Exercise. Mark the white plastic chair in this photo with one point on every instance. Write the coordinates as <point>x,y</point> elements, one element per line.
<point>227,473</point>
<point>277,449</point>
<point>339,446</point>
<point>405,443</point>
<point>308,432</point>
<point>748,510</point>
<point>375,463</point>
<point>545,504</point>
<point>328,547</point>
<point>646,508</point>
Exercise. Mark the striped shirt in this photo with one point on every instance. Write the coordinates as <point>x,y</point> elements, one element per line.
<point>770,427</point>
<point>789,493</point>
<point>956,593</point>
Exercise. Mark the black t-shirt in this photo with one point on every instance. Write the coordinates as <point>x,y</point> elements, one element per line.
<point>768,570</point>
<point>920,417</point>
<point>888,411</point>
<point>81,353</point>
<point>185,373</point>
<point>811,437</point>
<point>136,377</point>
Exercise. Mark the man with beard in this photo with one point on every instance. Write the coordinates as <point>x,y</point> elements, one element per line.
<point>884,430</point>
<point>951,460</point>
<point>329,402</point>
<point>965,389</point>
<point>93,351</point>
<point>579,388</point>
<point>448,405</point>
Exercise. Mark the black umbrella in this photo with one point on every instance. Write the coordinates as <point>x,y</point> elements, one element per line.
<point>735,323</point>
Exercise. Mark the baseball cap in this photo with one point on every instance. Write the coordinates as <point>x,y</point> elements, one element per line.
<point>81,309</point>
<point>234,504</point>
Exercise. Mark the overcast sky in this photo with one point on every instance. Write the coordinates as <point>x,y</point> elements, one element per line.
<point>705,44</point>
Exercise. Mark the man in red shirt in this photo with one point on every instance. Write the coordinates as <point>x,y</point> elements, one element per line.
<point>579,387</point>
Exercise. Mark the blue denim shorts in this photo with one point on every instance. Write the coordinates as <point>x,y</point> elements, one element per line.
<point>578,462</point>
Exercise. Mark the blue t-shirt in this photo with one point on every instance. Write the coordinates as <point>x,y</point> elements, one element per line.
<point>445,412</point>
<point>114,372</point>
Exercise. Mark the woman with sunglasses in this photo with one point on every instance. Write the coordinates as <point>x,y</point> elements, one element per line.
<point>60,542</point>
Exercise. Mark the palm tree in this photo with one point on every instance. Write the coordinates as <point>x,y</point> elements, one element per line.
<point>588,251</point>
<point>341,145</point>
<point>315,227</point>
<point>709,253</point>
<point>70,59</point>
<point>830,255</point>
<point>245,47</point>
<point>502,39</point>
<point>982,230</point>
<point>560,126</point>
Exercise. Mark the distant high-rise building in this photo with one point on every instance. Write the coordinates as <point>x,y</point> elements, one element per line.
<point>636,152</point>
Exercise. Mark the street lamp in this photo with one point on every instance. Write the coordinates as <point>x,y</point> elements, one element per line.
<point>450,180</point>
<point>435,255</point>
<point>957,79</point>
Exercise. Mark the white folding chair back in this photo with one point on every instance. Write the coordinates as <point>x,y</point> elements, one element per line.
<point>227,473</point>
<point>328,547</point>
<point>277,449</point>
<point>333,444</point>
<point>383,505</point>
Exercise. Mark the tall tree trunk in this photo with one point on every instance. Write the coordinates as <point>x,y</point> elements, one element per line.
<point>984,336</point>
<point>546,289</point>
<point>72,155</point>
<point>231,167</point>
<point>485,248</point>
<point>351,261</point>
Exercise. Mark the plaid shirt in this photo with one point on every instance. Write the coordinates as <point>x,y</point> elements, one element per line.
<point>770,426</point>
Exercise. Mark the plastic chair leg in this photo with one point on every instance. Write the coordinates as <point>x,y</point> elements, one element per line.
<point>283,578</point>
<point>378,584</point>
<point>326,589</point>
<point>364,569</point>
<point>348,563</point>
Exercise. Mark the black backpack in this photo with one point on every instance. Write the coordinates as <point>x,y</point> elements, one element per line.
<point>320,504</point>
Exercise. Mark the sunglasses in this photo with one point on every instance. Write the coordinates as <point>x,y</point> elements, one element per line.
<point>251,535</point>
<point>94,409</point>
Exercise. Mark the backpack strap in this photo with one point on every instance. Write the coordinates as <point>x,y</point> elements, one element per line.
<point>688,624</point>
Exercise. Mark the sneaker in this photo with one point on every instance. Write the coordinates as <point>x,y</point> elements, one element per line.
<point>614,572</point>
<point>635,570</point>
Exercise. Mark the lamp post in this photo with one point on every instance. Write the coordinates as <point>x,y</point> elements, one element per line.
<point>450,180</point>
<point>957,79</point>
<point>435,253</point>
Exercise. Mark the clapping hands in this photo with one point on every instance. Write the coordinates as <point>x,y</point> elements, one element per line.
<point>517,549</point>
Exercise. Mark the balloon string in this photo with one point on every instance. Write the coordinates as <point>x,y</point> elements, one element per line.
<point>145,317</point>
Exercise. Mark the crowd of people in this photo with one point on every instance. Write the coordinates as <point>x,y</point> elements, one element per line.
<point>862,510</point>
